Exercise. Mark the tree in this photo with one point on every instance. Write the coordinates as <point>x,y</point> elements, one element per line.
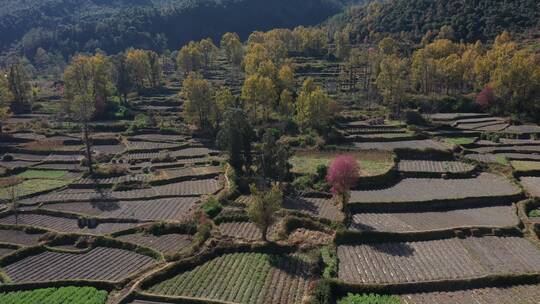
<point>236,136</point>
<point>19,85</point>
<point>313,107</point>
<point>123,81</point>
<point>388,46</point>
<point>5,100</point>
<point>224,100</point>
<point>274,157</point>
<point>446,32</point>
<point>286,103</point>
<point>392,81</point>
<point>199,107</point>
<point>87,85</point>
<point>343,174</point>
<point>231,44</point>
<point>155,69</point>
<point>256,55</point>
<point>190,58</point>
<point>486,97</point>
<point>259,92</point>
<point>262,208</point>
<point>343,45</point>
<point>138,65</point>
<point>208,50</point>
<point>286,78</point>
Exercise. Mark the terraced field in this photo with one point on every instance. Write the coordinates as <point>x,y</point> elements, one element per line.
<point>319,207</point>
<point>429,166</point>
<point>497,216</point>
<point>523,294</point>
<point>19,237</point>
<point>101,264</point>
<point>531,185</point>
<point>242,278</point>
<point>166,243</point>
<point>61,224</point>
<point>425,144</point>
<point>431,189</point>
<point>447,259</point>
<point>172,209</point>
<point>241,230</point>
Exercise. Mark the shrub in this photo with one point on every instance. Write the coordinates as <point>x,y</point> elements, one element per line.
<point>7,157</point>
<point>534,213</point>
<point>414,118</point>
<point>302,182</point>
<point>330,260</point>
<point>322,294</point>
<point>105,171</point>
<point>369,299</point>
<point>212,207</point>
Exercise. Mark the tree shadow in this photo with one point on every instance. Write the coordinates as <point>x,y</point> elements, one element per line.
<point>105,205</point>
<point>399,249</point>
<point>361,227</point>
<point>290,264</point>
<point>300,204</point>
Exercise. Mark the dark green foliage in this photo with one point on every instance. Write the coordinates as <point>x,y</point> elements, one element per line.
<point>414,118</point>
<point>236,136</point>
<point>369,299</point>
<point>212,207</point>
<point>471,20</point>
<point>273,160</point>
<point>330,260</point>
<point>75,295</point>
<point>113,26</point>
<point>322,293</point>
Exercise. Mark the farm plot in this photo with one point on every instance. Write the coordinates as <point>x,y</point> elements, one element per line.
<point>243,278</point>
<point>157,209</point>
<point>19,237</point>
<point>61,224</point>
<point>186,188</point>
<point>429,166</point>
<point>62,295</point>
<point>319,207</point>
<point>31,187</point>
<point>497,216</point>
<point>523,294</point>
<point>150,146</point>
<point>5,251</point>
<point>166,243</point>
<point>159,138</point>
<point>508,149</point>
<point>426,144</point>
<point>432,189</point>
<point>101,264</point>
<point>531,185</point>
<point>241,230</point>
<point>484,158</point>
<point>447,259</point>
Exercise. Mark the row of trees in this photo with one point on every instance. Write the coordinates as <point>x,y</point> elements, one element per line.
<point>15,91</point>
<point>444,67</point>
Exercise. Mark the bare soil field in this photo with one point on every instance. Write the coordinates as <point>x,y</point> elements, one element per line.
<point>107,264</point>
<point>430,189</point>
<point>446,259</point>
<point>497,216</point>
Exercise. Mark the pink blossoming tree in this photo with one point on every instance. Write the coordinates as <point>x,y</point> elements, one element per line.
<point>343,175</point>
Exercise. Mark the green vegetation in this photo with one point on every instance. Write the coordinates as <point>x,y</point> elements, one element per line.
<point>42,174</point>
<point>534,213</point>
<point>31,186</point>
<point>459,140</point>
<point>62,295</point>
<point>521,165</point>
<point>371,163</point>
<point>212,207</point>
<point>369,299</point>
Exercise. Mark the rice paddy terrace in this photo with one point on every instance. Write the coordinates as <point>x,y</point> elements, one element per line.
<point>444,214</point>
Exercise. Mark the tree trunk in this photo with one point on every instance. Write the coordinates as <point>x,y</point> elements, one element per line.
<point>264,231</point>
<point>88,146</point>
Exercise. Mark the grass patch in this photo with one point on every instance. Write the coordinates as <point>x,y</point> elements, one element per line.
<point>62,295</point>
<point>522,165</point>
<point>43,174</point>
<point>459,140</point>
<point>371,163</point>
<point>32,186</point>
<point>369,299</point>
<point>534,213</point>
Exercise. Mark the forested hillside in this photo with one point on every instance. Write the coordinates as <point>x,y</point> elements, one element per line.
<point>471,20</point>
<point>112,26</point>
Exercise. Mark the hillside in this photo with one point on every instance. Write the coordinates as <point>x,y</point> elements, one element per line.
<point>70,26</point>
<point>471,20</point>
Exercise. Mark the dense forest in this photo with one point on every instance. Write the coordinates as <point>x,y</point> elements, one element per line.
<point>112,26</point>
<point>471,20</point>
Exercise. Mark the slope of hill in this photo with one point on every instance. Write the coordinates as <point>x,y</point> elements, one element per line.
<point>471,20</point>
<point>71,25</point>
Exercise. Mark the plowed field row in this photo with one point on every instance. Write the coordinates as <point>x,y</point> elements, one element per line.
<point>100,263</point>
<point>320,207</point>
<point>167,243</point>
<point>19,237</point>
<point>434,166</point>
<point>436,260</point>
<point>498,216</point>
<point>531,185</point>
<point>428,189</point>
<point>408,144</point>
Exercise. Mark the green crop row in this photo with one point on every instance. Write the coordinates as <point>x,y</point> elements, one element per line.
<point>62,295</point>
